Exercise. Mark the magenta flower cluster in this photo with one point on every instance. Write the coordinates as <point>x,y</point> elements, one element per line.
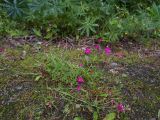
<point>120,107</point>
<point>1,50</point>
<point>88,51</point>
<point>80,81</point>
<point>107,50</point>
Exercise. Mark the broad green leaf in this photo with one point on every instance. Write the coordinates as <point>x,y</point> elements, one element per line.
<point>37,32</point>
<point>37,78</point>
<point>95,116</point>
<point>77,118</point>
<point>110,116</point>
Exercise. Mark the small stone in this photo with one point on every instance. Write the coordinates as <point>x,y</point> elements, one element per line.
<point>19,87</point>
<point>83,48</point>
<point>114,64</point>
<point>23,55</point>
<point>78,106</point>
<point>124,75</point>
<point>114,71</point>
<point>39,43</point>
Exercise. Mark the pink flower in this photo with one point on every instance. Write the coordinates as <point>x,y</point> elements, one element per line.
<point>80,80</point>
<point>120,107</point>
<point>1,50</point>
<point>112,102</point>
<point>108,51</point>
<point>100,40</point>
<point>81,65</point>
<point>78,88</point>
<point>97,46</point>
<point>87,51</point>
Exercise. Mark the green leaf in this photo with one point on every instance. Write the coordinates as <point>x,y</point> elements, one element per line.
<point>88,26</point>
<point>77,118</point>
<point>104,95</point>
<point>49,35</point>
<point>110,116</point>
<point>14,8</point>
<point>37,78</point>
<point>95,116</point>
<point>37,32</point>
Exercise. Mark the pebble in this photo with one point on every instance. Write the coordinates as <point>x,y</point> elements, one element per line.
<point>124,75</point>
<point>114,64</point>
<point>39,43</point>
<point>19,87</point>
<point>113,71</point>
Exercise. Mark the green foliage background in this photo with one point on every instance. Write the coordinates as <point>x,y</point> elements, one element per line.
<point>113,19</point>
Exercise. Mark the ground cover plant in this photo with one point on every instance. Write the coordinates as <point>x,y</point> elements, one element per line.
<point>79,59</point>
<point>40,81</point>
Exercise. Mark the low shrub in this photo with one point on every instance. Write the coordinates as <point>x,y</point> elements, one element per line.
<point>114,19</point>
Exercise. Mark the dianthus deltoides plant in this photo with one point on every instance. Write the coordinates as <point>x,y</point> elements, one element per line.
<point>113,19</point>
<point>77,80</point>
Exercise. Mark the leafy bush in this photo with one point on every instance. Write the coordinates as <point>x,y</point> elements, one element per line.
<point>114,19</point>
<point>14,8</point>
<point>9,27</point>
